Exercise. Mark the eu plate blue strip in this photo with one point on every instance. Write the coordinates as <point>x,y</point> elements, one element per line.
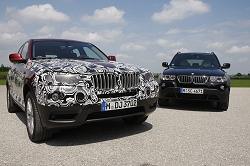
<point>103,106</point>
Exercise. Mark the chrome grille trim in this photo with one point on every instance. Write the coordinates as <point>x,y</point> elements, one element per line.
<point>187,79</point>
<point>200,79</point>
<point>110,81</point>
<point>184,79</point>
<point>104,81</point>
<point>129,80</point>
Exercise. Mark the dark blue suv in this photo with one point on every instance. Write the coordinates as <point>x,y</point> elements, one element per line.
<point>195,76</point>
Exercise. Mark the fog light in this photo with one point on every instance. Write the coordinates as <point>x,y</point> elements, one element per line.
<point>81,97</point>
<point>55,96</point>
<point>222,87</point>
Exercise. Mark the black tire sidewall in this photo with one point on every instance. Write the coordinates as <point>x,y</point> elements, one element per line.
<point>36,120</point>
<point>11,106</point>
<point>9,101</point>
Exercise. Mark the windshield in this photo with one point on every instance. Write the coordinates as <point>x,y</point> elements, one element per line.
<point>65,49</point>
<point>195,61</point>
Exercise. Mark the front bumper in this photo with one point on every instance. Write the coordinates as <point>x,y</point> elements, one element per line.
<point>65,117</point>
<point>209,94</point>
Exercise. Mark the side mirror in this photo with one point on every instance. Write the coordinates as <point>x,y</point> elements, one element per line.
<point>112,58</point>
<point>165,64</point>
<point>225,66</point>
<point>16,58</point>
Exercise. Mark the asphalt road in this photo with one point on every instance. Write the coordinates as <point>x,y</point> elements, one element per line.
<point>186,133</point>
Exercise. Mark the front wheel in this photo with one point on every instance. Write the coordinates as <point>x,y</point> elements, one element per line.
<point>35,129</point>
<point>135,120</point>
<point>11,105</point>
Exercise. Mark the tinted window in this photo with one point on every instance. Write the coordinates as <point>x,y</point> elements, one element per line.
<point>63,49</point>
<point>195,60</point>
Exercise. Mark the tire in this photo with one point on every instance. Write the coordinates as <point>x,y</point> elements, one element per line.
<point>34,126</point>
<point>135,120</point>
<point>222,106</point>
<point>11,105</point>
<point>163,102</point>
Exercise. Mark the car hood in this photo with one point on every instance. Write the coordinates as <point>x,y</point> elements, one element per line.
<point>83,66</point>
<point>194,71</point>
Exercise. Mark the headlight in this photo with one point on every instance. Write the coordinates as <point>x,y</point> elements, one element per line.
<point>168,77</point>
<point>149,76</point>
<point>218,79</point>
<point>67,78</point>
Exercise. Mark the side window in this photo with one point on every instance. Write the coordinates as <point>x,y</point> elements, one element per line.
<point>24,51</point>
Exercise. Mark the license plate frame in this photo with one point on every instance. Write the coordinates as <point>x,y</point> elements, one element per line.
<point>121,104</point>
<point>192,90</point>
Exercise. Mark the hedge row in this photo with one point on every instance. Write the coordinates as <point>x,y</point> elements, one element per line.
<point>3,75</point>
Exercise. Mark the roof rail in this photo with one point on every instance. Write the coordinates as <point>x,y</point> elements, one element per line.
<point>178,52</point>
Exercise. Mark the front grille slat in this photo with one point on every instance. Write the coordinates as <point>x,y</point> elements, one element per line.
<point>184,79</point>
<point>100,81</point>
<point>133,81</point>
<point>110,81</point>
<point>107,81</point>
<point>128,80</point>
<point>187,79</point>
<point>113,80</point>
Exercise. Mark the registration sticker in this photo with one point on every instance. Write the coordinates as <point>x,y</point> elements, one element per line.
<point>115,105</point>
<point>191,91</point>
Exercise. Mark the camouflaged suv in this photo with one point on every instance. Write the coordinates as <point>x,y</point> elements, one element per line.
<point>64,83</point>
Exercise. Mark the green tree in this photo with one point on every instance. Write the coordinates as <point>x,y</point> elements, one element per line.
<point>239,74</point>
<point>3,68</point>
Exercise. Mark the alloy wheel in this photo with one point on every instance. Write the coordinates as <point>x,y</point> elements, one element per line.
<point>30,116</point>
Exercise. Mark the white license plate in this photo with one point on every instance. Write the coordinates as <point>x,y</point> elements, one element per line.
<point>191,90</point>
<point>115,105</point>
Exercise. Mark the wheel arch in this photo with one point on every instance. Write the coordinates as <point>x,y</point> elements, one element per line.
<point>27,87</point>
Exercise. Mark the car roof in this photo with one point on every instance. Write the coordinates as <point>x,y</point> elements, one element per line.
<point>52,39</point>
<point>195,53</point>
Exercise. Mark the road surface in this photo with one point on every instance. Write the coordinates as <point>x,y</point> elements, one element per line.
<point>185,133</point>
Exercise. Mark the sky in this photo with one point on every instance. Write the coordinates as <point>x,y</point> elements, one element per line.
<point>141,32</point>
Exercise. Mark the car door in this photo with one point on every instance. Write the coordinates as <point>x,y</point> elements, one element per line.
<point>18,71</point>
